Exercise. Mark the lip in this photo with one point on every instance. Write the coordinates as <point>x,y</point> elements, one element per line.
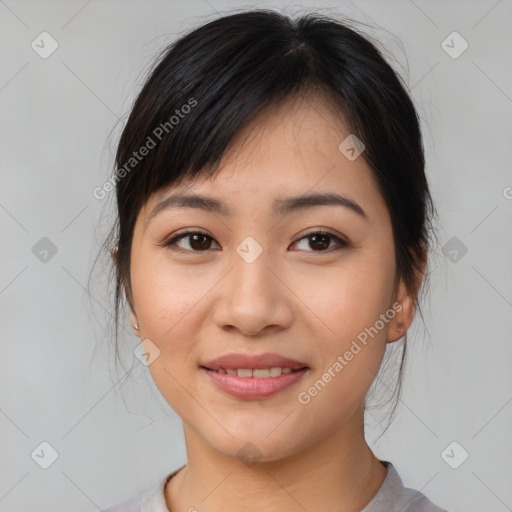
<point>253,388</point>
<point>254,361</point>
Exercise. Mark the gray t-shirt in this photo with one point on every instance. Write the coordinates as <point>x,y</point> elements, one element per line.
<point>392,496</point>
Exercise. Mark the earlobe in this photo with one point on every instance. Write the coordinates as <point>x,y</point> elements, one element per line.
<point>134,323</point>
<point>396,331</point>
<point>133,318</point>
<point>403,320</point>
<point>407,300</point>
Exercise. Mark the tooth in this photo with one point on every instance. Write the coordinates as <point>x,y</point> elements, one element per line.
<point>275,371</point>
<point>261,372</point>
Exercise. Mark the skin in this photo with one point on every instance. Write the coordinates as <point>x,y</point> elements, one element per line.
<point>295,300</point>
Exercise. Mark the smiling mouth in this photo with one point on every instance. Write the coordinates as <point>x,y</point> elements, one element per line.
<point>257,373</point>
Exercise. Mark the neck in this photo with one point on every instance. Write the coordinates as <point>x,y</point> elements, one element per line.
<point>337,473</point>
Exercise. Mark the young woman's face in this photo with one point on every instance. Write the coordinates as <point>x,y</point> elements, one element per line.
<point>307,283</point>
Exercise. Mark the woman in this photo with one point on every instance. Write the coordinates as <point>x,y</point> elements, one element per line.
<point>274,222</point>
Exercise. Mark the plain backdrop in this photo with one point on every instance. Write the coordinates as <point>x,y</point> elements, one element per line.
<point>106,437</point>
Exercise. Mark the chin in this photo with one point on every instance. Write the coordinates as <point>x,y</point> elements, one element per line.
<point>255,448</point>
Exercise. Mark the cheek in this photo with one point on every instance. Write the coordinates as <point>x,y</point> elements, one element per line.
<point>349,298</point>
<point>164,296</point>
<point>167,300</point>
<point>350,358</point>
<point>350,301</point>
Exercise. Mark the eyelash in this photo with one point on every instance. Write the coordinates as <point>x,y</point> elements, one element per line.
<point>170,243</point>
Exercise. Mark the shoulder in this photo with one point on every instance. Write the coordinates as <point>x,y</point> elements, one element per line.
<point>151,500</point>
<point>394,496</point>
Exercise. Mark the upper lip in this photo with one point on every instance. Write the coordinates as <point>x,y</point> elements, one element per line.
<point>254,361</point>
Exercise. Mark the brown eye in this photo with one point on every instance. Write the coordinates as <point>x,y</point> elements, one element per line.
<point>197,242</point>
<point>321,241</point>
<point>200,242</point>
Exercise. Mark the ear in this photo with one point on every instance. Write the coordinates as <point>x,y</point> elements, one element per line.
<point>133,321</point>
<point>133,316</point>
<point>407,300</point>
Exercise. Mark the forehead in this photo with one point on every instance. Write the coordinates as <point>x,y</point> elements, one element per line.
<point>289,149</point>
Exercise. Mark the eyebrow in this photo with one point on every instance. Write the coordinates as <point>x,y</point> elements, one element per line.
<point>281,206</point>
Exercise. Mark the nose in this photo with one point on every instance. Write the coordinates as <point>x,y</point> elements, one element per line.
<point>253,299</point>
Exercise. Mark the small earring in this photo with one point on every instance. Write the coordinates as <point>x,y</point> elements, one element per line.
<point>400,328</point>
<point>136,326</point>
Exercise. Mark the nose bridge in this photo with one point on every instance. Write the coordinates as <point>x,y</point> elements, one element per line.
<point>251,279</point>
<point>254,297</point>
<point>250,273</point>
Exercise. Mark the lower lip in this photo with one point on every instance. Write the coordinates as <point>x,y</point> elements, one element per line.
<point>254,388</point>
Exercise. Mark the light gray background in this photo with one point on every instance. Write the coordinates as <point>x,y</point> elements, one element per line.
<point>116,437</point>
